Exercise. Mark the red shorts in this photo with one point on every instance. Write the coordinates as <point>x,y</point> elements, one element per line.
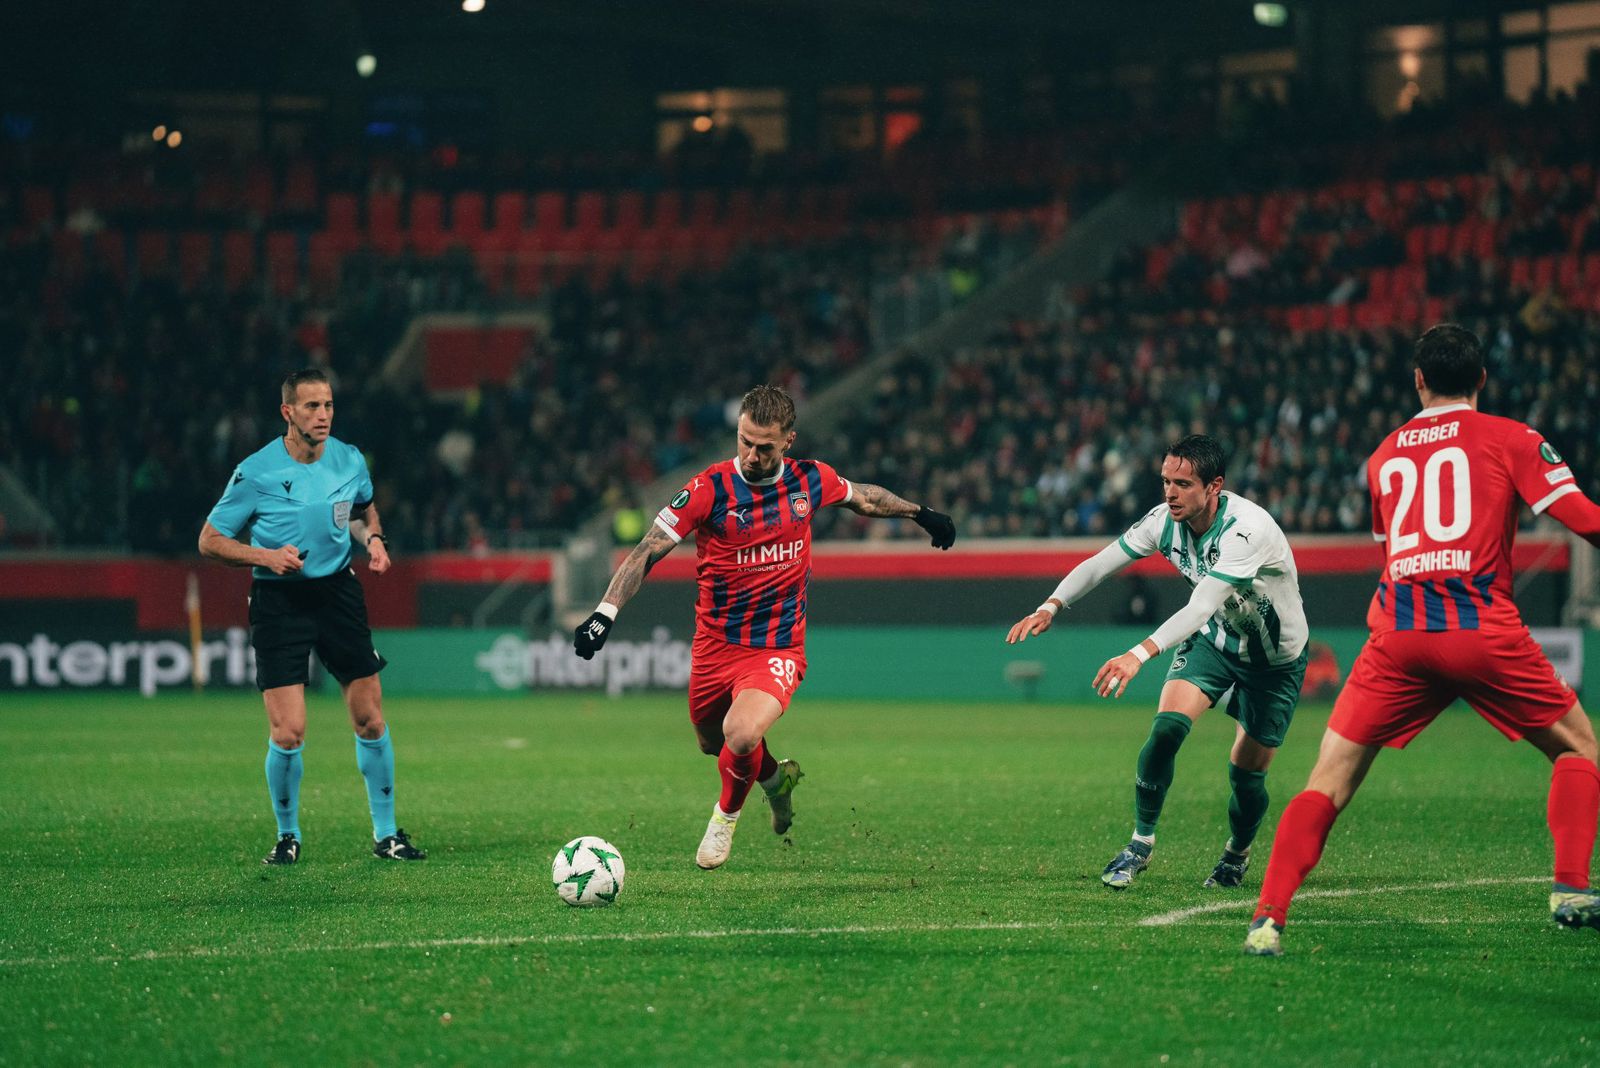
<point>719,671</point>
<point>1403,679</point>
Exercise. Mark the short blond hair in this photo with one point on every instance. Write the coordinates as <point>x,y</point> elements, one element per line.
<point>769,406</point>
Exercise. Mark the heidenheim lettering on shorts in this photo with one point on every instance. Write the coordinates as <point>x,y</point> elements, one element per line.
<point>1427,435</point>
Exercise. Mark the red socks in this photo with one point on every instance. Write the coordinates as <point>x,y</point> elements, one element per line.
<point>738,775</point>
<point>1573,810</point>
<point>1296,848</point>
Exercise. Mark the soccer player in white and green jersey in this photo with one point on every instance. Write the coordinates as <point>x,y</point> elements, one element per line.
<point>1244,630</point>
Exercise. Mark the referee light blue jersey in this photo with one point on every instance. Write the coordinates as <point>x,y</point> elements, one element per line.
<point>285,502</point>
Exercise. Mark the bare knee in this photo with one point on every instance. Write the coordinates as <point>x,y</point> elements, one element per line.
<point>287,737</point>
<point>743,740</point>
<point>364,699</point>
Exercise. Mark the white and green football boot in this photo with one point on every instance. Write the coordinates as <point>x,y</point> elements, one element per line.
<point>779,797</point>
<point>1264,939</point>
<point>1575,908</point>
<point>718,841</point>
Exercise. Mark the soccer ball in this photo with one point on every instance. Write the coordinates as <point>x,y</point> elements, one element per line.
<point>588,872</point>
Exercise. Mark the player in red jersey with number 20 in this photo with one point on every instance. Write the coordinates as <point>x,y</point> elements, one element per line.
<point>1446,489</point>
<point>751,517</point>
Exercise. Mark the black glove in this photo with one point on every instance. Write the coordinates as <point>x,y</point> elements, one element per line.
<point>591,635</point>
<point>938,525</point>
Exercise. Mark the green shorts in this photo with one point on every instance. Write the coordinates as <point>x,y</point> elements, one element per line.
<point>1263,699</point>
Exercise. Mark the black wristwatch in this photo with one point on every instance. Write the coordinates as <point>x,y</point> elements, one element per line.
<point>380,537</point>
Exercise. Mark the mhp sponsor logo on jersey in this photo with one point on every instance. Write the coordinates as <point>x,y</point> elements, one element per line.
<point>770,554</point>
<point>515,663</point>
<point>149,664</point>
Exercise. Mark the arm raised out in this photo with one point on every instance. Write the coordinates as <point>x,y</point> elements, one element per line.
<point>877,502</point>
<point>1079,581</point>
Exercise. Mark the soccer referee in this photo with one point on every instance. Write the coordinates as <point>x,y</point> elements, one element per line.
<point>301,498</point>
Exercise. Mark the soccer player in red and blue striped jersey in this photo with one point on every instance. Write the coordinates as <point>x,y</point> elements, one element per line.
<point>1446,490</point>
<point>751,517</point>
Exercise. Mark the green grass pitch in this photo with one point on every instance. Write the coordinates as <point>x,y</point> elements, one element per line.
<point>938,901</point>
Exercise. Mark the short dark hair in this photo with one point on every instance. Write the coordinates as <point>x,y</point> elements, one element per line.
<point>769,406</point>
<point>294,379</point>
<point>1450,358</point>
<point>1204,454</point>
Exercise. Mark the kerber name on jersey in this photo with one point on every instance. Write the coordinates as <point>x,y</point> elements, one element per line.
<point>1446,489</point>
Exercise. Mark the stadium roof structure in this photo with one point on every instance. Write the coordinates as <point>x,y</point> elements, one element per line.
<point>310,45</point>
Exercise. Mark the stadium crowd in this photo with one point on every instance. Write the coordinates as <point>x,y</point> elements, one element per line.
<point>136,392</point>
<point>137,397</point>
<point>1050,428</point>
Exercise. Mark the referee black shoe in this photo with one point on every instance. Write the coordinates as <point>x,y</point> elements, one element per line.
<point>397,847</point>
<point>287,851</point>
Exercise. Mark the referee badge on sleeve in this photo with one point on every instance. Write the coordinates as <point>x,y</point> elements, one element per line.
<point>341,514</point>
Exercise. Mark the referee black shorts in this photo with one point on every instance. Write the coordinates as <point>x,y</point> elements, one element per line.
<point>291,617</point>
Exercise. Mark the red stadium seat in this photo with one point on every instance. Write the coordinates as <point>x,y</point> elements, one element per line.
<point>343,213</point>
<point>1544,272</point>
<point>1379,283</point>
<point>195,253</point>
<point>283,261</point>
<point>549,212</point>
<point>493,253</point>
<point>466,213</point>
<point>1521,273</point>
<point>238,258</point>
<point>1569,274</point>
<point>1438,239</point>
<point>588,213</point>
<point>528,265</point>
<point>510,213</point>
<point>258,191</point>
<point>1417,244</point>
<point>629,217</point>
<point>666,213</point>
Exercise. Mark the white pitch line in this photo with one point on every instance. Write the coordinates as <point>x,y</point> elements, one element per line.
<point>1161,920</point>
<point>207,952</point>
<point>1167,919</point>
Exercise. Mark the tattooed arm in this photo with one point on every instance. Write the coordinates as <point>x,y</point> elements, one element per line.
<point>591,634</point>
<point>878,502</point>
<point>875,501</point>
<point>637,564</point>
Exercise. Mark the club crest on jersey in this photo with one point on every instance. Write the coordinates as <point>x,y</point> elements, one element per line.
<point>341,514</point>
<point>800,505</point>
